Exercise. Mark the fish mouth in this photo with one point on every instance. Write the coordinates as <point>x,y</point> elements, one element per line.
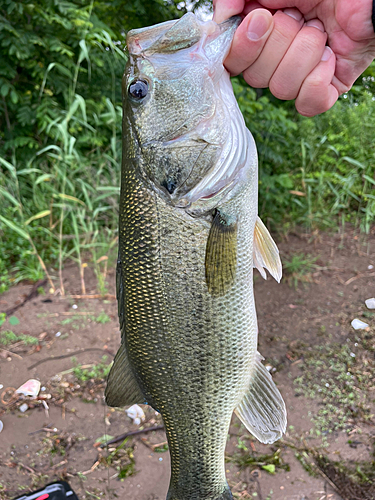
<point>228,169</point>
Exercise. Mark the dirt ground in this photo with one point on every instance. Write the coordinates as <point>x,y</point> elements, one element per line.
<point>304,328</point>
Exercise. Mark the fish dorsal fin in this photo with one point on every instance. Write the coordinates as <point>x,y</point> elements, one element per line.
<point>262,409</point>
<point>266,254</point>
<point>122,388</point>
<point>221,254</point>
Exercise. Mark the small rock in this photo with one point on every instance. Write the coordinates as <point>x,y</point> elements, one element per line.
<point>58,334</point>
<point>370,267</point>
<point>370,303</point>
<point>1,426</point>
<point>357,324</point>
<point>135,412</point>
<point>24,407</point>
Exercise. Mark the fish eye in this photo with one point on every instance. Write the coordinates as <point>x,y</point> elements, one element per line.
<point>138,89</point>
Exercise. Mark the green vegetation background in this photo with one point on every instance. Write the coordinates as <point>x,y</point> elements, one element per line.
<point>60,137</point>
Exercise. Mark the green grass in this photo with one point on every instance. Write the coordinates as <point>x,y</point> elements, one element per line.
<point>269,462</point>
<point>298,269</point>
<point>97,372</point>
<point>103,318</point>
<point>8,338</point>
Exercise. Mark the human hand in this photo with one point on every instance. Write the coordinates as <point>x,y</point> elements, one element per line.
<point>290,58</point>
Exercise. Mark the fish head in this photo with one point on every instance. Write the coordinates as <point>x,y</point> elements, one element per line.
<point>176,119</point>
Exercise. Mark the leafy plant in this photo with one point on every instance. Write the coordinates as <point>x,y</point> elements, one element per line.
<point>298,268</point>
<point>8,337</point>
<point>97,372</point>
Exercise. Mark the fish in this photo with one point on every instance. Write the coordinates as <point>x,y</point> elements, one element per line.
<point>189,237</point>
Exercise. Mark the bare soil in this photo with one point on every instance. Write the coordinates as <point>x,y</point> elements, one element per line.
<point>56,436</point>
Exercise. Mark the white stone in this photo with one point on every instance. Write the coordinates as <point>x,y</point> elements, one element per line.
<point>136,413</point>
<point>370,303</point>
<point>24,407</point>
<point>357,324</point>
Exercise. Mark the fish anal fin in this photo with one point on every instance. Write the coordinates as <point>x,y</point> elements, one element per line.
<point>221,254</point>
<point>262,409</point>
<point>266,254</point>
<point>122,388</point>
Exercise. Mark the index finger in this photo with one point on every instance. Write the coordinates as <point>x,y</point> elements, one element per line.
<point>224,9</point>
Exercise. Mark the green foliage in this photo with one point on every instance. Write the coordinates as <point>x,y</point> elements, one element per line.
<point>298,268</point>
<point>97,372</point>
<point>60,138</point>
<point>102,318</point>
<point>270,462</point>
<point>315,172</point>
<point>8,337</point>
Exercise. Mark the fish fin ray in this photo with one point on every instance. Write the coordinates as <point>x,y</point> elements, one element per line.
<point>262,409</point>
<point>266,254</point>
<point>221,254</point>
<point>122,388</point>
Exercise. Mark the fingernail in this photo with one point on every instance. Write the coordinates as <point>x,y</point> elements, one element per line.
<point>259,24</point>
<point>326,54</point>
<point>315,23</point>
<point>294,13</point>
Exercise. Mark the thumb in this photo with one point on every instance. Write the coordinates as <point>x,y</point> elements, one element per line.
<point>249,40</point>
<point>224,9</point>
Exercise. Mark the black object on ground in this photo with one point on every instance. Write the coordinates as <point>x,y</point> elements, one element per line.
<point>54,491</point>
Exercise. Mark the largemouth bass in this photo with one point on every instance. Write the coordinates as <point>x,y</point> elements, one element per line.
<point>189,238</point>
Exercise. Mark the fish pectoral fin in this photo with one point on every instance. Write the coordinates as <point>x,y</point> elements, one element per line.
<point>122,388</point>
<point>221,254</point>
<point>266,254</point>
<point>262,409</point>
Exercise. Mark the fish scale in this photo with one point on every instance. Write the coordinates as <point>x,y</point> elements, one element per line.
<point>182,342</point>
<point>189,343</point>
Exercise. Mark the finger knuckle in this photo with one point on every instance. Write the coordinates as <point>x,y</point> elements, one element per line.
<point>282,91</point>
<point>255,79</point>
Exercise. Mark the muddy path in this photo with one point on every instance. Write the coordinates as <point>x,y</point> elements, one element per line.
<point>324,368</point>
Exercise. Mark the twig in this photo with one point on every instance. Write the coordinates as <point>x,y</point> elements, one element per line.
<point>363,275</point>
<point>82,367</point>
<point>158,445</point>
<point>48,428</point>
<point>133,433</point>
<point>53,358</point>
<point>91,469</point>
<point>33,471</point>
<point>33,293</point>
<point>12,353</point>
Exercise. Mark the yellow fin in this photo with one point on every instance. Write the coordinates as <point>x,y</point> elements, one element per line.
<point>221,254</point>
<point>122,388</point>
<point>266,254</point>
